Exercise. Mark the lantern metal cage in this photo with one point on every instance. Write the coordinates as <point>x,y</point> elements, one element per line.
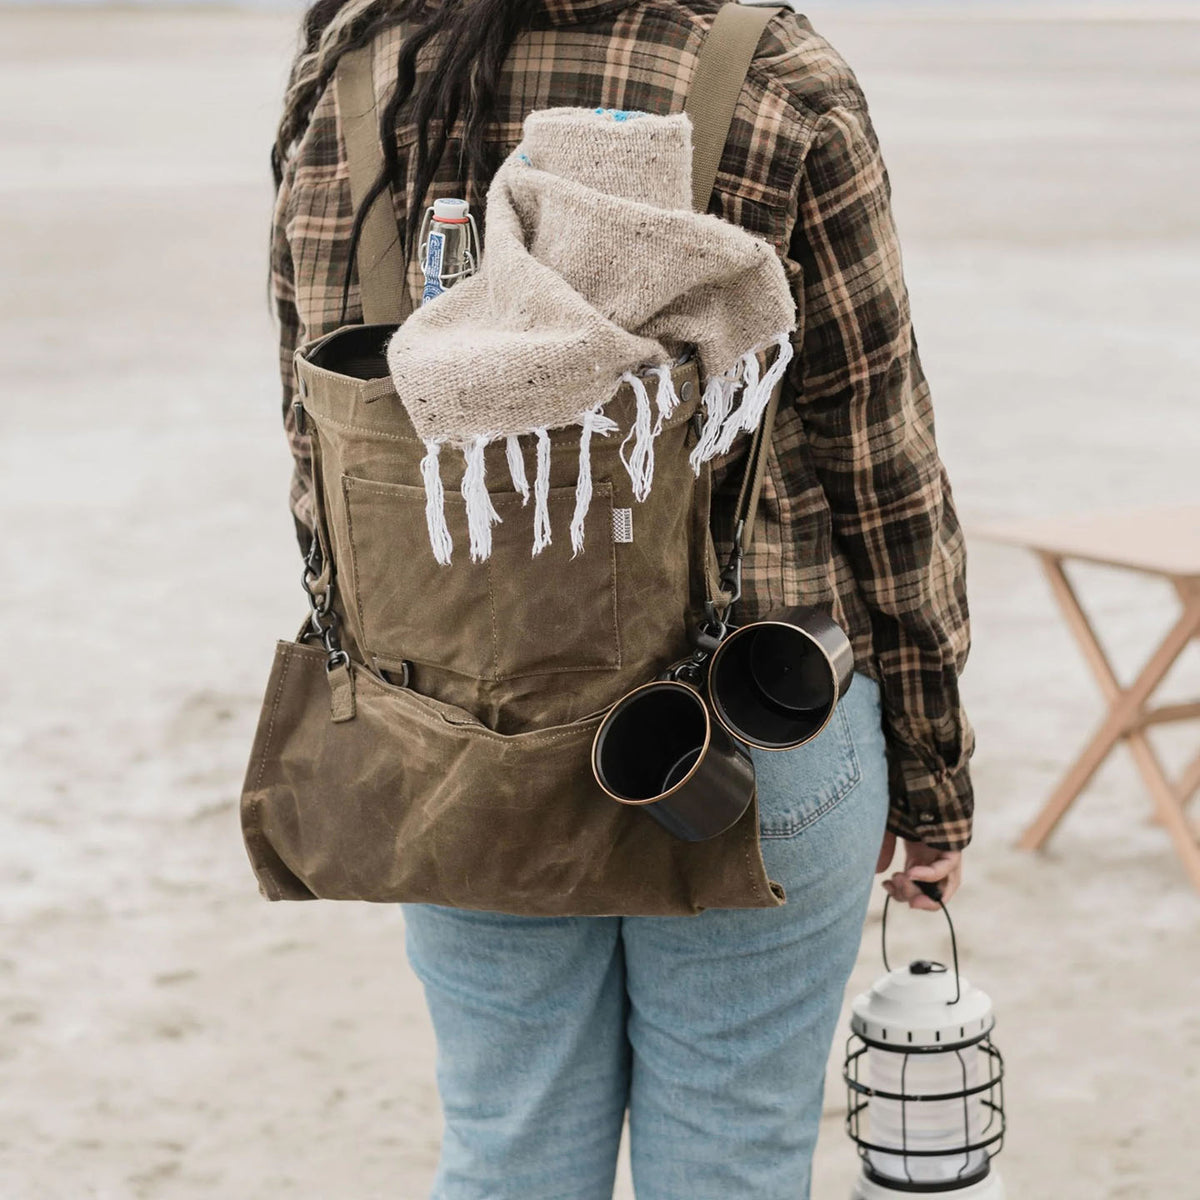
<point>982,1136</point>
<point>991,1091</point>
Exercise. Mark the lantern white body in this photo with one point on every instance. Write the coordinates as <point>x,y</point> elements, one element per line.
<point>926,1035</point>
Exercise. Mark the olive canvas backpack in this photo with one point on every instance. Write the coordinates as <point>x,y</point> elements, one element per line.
<point>426,736</point>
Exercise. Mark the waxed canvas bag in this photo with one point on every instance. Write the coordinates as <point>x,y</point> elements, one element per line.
<point>427,735</point>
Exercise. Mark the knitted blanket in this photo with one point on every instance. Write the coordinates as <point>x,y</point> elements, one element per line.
<point>596,273</point>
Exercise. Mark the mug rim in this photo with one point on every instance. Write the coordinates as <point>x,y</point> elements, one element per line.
<point>715,705</point>
<point>679,684</point>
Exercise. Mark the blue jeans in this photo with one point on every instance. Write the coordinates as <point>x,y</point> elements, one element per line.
<point>712,1030</point>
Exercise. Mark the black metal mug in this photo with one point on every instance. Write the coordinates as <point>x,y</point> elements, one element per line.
<point>774,684</point>
<point>659,749</point>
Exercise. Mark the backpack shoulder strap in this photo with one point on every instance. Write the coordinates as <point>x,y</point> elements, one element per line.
<point>381,259</point>
<point>721,70</point>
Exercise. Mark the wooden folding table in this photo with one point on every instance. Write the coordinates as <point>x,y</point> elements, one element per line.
<point>1164,542</point>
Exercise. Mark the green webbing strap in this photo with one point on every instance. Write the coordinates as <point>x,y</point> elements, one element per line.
<point>381,260</point>
<point>721,70</point>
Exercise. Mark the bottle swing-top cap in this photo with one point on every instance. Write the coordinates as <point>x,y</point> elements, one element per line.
<point>451,210</point>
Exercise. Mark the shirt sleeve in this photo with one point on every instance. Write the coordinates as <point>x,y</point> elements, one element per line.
<point>866,409</point>
<point>283,294</point>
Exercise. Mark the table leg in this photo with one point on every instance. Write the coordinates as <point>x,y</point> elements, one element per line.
<point>1173,818</point>
<point>1106,677</point>
<point>1125,708</point>
<point>1189,781</point>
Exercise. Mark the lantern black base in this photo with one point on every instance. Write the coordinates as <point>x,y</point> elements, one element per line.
<point>927,1188</point>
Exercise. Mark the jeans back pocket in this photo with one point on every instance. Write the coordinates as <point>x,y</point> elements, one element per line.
<point>798,787</point>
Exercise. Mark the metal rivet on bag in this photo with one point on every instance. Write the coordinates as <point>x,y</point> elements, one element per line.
<point>686,390</point>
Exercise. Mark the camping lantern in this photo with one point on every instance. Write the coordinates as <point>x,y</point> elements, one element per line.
<point>925,1085</point>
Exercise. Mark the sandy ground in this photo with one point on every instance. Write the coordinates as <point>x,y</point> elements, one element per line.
<point>167,1035</point>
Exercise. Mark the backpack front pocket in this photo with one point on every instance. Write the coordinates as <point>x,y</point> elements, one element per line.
<point>515,614</point>
<point>413,801</point>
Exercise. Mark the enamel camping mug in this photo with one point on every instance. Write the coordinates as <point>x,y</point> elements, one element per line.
<point>774,684</point>
<point>659,748</point>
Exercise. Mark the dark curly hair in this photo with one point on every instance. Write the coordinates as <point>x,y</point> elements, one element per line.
<point>471,40</point>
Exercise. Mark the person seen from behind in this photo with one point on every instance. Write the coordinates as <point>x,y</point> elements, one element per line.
<point>709,1033</point>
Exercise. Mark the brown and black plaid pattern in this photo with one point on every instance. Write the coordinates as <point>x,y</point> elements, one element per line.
<point>857,514</point>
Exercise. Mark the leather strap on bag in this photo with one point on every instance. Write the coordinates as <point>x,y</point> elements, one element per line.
<point>752,483</point>
<point>746,510</point>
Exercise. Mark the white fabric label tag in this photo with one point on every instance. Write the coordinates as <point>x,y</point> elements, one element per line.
<point>623,525</point>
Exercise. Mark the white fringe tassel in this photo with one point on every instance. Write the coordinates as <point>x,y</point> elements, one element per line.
<point>516,467</point>
<point>640,463</point>
<point>435,503</point>
<point>666,398</point>
<point>723,421</point>
<point>747,369</point>
<point>592,422</point>
<point>756,392</point>
<point>541,494</point>
<point>481,514</point>
<point>718,396</point>
<point>776,369</point>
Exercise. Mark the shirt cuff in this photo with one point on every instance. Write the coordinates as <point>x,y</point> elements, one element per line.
<point>935,808</point>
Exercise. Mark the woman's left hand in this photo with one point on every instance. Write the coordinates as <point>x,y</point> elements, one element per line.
<point>920,862</point>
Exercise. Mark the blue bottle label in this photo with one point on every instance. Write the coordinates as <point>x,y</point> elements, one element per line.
<point>434,254</point>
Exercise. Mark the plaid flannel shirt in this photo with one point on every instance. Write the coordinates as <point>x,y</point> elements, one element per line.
<point>856,514</point>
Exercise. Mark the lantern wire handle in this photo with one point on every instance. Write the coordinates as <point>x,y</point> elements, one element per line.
<point>934,892</point>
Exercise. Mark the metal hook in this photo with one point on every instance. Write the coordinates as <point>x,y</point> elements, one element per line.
<point>688,670</point>
<point>712,633</point>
